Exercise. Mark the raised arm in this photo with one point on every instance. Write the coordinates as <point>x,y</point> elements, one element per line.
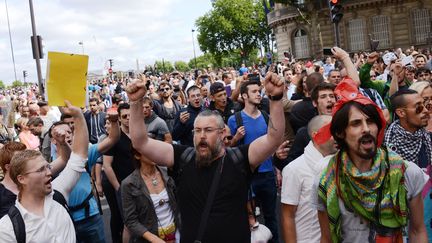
<point>113,133</point>
<point>81,137</point>
<point>351,70</point>
<point>63,150</point>
<point>160,152</point>
<point>67,179</point>
<point>266,145</point>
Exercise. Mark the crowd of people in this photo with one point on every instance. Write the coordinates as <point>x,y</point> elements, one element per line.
<point>341,145</point>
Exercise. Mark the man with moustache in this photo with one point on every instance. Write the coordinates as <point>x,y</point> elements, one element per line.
<point>407,135</point>
<point>299,220</point>
<point>167,107</point>
<point>227,220</point>
<point>367,193</point>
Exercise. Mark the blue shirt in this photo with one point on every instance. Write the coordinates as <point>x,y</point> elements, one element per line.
<point>254,128</point>
<point>83,188</point>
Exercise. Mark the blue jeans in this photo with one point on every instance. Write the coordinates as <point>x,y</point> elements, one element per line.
<point>90,230</point>
<point>264,188</point>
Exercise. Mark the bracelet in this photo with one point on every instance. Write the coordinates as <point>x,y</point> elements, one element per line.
<point>137,101</point>
<point>275,97</point>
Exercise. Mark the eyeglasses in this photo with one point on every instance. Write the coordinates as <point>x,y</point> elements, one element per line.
<point>125,116</point>
<point>44,168</point>
<point>206,130</point>
<point>165,89</point>
<point>229,138</point>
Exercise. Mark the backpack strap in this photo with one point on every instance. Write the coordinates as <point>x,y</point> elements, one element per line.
<point>237,157</point>
<point>18,224</point>
<point>266,116</point>
<point>85,204</point>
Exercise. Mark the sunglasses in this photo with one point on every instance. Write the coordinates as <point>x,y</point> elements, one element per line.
<point>125,116</point>
<point>229,138</point>
<point>165,89</point>
<point>418,109</point>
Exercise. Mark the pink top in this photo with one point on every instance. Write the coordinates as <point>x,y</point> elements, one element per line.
<point>30,140</point>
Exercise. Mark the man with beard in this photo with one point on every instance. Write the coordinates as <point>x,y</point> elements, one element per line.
<point>167,107</point>
<point>183,125</point>
<point>227,219</point>
<point>366,192</point>
<point>299,220</point>
<point>156,127</point>
<point>254,125</point>
<point>44,218</point>
<point>407,136</point>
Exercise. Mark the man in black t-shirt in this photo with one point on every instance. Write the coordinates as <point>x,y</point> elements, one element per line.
<point>228,219</point>
<point>117,163</point>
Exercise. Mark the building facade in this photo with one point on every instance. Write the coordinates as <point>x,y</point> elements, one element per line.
<point>305,30</point>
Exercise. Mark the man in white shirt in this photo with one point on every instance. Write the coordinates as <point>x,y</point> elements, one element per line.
<point>45,219</point>
<point>299,220</point>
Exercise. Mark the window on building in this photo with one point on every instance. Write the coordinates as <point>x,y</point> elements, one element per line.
<point>381,30</point>
<point>356,32</point>
<point>301,44</point>
<point>421,22</point>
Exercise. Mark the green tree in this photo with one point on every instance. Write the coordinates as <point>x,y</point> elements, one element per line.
<point>233,25</point>
<point>203,61</point>
<point>164,66</point>
<point>181,66</point>
<point>17,83</point>
<point>2,85</point>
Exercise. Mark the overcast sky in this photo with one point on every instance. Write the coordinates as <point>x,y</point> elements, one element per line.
<point>124,30</point>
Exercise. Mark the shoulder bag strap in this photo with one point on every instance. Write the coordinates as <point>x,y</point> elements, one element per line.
<point>209,201</point>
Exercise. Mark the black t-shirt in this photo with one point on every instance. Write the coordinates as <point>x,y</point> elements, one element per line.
<point>7,200</point>
<point>302,113</point>
<point>122,161</point>
<point>228,219</point>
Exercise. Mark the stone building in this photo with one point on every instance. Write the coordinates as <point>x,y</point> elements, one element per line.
<point>305,30</point>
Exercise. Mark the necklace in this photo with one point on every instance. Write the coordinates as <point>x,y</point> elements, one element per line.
<point>154,180</point>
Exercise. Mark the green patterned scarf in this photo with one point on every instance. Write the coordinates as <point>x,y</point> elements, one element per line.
<point>360,191</point>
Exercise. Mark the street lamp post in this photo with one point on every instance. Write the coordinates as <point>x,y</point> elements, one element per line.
<point>10,39</point>
<point>193,44</point>
<point>81,43</point>
<point>36,53</point>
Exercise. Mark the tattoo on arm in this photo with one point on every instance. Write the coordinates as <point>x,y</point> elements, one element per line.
<point>270,125</point>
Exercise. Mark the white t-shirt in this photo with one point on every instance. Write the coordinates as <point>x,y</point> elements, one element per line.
<point>297,187</point>
<point>354,227</point>
<point>56,225</point>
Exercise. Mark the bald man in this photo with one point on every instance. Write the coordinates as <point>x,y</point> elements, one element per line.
<point>299,221</point>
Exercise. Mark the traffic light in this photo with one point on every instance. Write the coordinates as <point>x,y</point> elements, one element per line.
<point>25,74</point>
<point>335,11</point>
<point>111,62</point>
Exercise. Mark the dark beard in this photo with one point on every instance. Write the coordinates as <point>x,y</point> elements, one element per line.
<point>206,160</point>
<point>370,154</point>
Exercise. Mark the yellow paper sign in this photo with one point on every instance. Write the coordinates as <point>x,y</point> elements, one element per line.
<point>66,78</point>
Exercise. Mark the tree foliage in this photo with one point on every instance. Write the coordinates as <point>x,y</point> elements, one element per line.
<point>233,25</point>
<point>2,85</point>
<point>17,83</point>
<point>164,66</point>
<point>181,66</point>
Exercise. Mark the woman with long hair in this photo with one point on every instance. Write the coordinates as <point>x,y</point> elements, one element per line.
<point>149,206</point>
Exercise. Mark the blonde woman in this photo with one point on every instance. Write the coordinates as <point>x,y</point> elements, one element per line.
<point>424,88</point>
<point>25,136</point>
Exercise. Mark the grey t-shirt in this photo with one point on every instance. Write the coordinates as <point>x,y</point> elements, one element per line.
<point>157,129</point>
<point>354,227</point>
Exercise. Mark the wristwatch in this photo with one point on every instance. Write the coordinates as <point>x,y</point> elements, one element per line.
<point>275,97</point>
